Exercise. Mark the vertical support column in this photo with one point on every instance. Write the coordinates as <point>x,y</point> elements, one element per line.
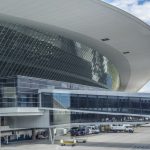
<point>141,106</point>
<point>0,133</point>
<point>51,135</point>
<point>7,139</point>
<point>33,134</point>
<point>16,101</point>
<point>40,100</point>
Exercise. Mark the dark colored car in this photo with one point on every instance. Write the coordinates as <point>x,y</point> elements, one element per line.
<point>76,131</point>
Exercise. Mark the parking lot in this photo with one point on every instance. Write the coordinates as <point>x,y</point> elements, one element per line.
<point>138,140</point>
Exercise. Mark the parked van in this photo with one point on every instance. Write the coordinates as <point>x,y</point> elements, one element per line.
<point>121,128</point>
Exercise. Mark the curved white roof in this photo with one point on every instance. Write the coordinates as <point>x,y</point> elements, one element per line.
<point>90,21</point>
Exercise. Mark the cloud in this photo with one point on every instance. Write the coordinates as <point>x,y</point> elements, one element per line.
<point>138,8</point>
<point>146,88</point>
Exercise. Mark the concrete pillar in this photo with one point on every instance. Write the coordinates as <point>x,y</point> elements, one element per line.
<point>33,134</point>
<point>40,100</point>
<point>7,139</point>
<point>0,133</point>
<point>51,135</point>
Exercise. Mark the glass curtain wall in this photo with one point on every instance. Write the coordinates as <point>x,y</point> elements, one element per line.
<point>22,91</point>
<point>58,117</point>
<point>8,92</point>
<point>31,52</point>
<point>101,103</point>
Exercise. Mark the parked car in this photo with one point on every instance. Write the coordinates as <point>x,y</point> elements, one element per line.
<point>129,129</point>
<point>93,129</point>
<point>77,131</point>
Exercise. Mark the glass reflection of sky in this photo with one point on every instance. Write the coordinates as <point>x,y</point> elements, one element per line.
<point>63,99</point>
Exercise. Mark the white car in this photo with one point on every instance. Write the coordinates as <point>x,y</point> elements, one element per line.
<point>129,129</point>
<point>93,129</point>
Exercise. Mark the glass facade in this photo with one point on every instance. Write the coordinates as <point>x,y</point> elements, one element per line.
<point>66,104</point>
<point>30,52</point>
<point>21,91</point>
<point>8,92</point>
<point>97,103</point>
<point>67,117</point>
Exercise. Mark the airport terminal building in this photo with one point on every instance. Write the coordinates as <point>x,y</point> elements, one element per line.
<point>65,63</point>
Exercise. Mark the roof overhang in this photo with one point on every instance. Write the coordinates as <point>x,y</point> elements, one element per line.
<point>90,21</point>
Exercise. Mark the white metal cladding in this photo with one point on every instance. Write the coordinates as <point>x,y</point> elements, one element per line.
<point>89,21</point>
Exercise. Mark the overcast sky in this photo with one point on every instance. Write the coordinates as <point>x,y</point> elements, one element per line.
<point>140,9</point>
